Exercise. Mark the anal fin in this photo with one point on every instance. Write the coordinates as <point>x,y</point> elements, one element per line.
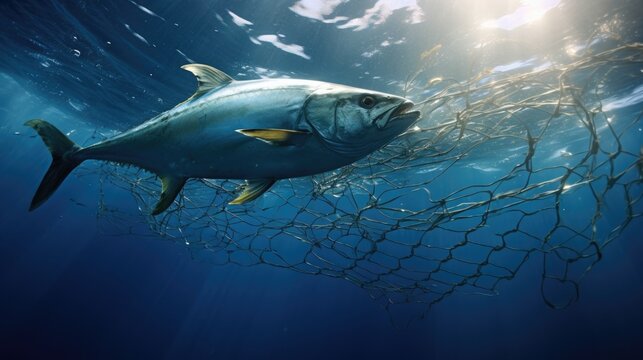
<point>252,190</point>
<point>171,186</point>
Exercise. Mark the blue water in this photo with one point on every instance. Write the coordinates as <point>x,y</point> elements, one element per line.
<point>69,289</point>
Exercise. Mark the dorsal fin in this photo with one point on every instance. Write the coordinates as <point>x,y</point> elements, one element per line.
<point>208,77</point>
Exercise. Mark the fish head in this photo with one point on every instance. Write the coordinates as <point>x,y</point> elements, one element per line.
<point>355,122</point>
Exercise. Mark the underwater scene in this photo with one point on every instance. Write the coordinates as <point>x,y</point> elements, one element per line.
<point>321,179</point>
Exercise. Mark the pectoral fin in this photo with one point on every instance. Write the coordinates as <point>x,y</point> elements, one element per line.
<point>171,186</point>
<point>252,190</point>
<point>279,137</point>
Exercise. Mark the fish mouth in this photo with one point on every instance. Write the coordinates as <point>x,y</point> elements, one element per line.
<point>402,111</point>
<point>398,113</point>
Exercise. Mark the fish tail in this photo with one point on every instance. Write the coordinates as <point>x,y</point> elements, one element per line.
<point>63,161</point>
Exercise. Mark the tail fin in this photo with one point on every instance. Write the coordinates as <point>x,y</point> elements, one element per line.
<point>62,162</point>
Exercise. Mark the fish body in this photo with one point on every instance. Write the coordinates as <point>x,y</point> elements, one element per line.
<point>199,138</point>
<point>258,130</point>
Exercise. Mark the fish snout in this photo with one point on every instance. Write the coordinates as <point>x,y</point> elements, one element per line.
<point>403,108</point>
<point>401,111</point>
<point>404,112</point>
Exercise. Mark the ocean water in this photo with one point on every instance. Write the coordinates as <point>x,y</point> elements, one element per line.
<point>91,275</point>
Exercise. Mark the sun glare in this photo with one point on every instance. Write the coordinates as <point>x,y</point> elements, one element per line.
<point>528,12</point>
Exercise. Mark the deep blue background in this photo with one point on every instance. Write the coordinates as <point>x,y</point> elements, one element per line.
<point>65,289</point>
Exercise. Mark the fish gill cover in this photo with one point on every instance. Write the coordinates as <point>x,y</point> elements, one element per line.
<point>499,169</point>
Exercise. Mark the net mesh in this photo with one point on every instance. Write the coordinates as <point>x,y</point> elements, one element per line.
<point>501,168</point>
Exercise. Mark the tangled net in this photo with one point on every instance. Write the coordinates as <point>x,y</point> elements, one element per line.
<point>500,168</point>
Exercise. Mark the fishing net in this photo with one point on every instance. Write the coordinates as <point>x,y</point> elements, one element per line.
<point>501,168</point>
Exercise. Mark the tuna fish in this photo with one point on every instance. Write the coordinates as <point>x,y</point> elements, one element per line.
<point>257,130</point>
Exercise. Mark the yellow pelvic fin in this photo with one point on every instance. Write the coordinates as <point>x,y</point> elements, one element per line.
<point>252,190</point>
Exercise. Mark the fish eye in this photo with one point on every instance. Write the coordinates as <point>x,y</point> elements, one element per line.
<point>367,102</point>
